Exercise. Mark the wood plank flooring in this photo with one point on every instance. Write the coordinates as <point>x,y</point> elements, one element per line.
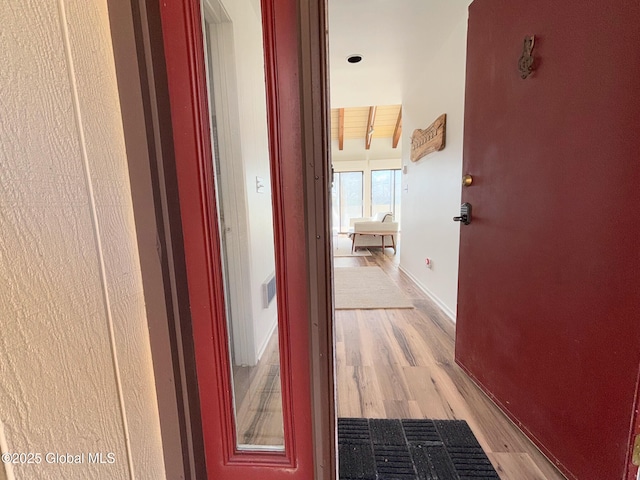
<point>400,364</point>
<point>397,364</point>
<point>259,400</point>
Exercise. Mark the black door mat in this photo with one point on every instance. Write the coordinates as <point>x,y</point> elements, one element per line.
<point>377,449</point>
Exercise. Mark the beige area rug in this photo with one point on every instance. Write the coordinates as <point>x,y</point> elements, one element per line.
<point>342,248</point>
<point>366,288</point>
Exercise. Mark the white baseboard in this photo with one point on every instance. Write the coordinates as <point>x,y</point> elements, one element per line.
<point>263,347</point>
<point>447,311</point>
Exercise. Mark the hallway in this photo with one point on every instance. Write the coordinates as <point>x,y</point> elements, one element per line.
<point>399,364</point>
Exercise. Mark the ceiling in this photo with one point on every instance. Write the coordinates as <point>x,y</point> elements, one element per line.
<point>386,121</point>
<point>391,35</point>
<point>394,38</point>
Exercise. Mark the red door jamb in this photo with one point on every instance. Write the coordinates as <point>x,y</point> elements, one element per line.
<point>182,34</point>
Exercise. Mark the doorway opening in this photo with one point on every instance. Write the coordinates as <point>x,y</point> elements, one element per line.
<point>398,362</point>
<point>430,85</point>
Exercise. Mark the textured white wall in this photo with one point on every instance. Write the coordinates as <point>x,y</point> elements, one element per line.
<point>434,182</point>
<point>76,373</point>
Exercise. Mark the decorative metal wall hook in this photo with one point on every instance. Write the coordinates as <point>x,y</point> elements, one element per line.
<point>525,64</point>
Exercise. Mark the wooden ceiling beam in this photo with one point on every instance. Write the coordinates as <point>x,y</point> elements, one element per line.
<point>370,124</point>
<point>398,130</point>
<point>341,128</point>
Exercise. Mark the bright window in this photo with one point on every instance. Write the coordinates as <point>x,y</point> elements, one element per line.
<point>386,187</point>
<point>347,196</point>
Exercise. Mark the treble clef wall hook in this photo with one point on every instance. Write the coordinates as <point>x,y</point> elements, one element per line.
<point>525,64</point>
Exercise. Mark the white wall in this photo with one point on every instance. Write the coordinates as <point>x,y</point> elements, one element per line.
<point>76,373</point>
<point>353,149</point>
<point>434,182</point>
<point>254,146</point>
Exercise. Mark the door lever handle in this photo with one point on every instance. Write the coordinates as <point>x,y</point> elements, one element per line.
<point>465,214</point>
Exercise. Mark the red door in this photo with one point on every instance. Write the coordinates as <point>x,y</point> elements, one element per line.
<point>183,43</point>
<point>549,277</point>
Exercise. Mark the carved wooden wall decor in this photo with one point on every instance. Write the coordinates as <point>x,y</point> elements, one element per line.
<point>525,64</point>
<point>429,140</point>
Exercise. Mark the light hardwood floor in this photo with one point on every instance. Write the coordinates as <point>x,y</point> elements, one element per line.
<point>397,364</point>
<point>259,400</point>
<point>400,364</point>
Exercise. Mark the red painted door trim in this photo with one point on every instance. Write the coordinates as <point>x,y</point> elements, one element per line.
<point>181,22</point>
